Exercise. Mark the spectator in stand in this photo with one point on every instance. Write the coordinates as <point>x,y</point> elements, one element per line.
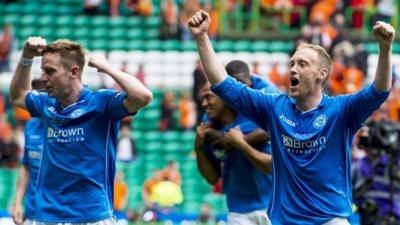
<point>9,151</point>
<point>114,7</point>
<point>187,118</point>
<point>385,10</point>
<point>167,111</point>
<point>171,173</point>
<point>170,22</point>
<point>148,186</point>
<point>140,75</point>
<point>6,40</point>
<point>188,9</point>
<point>120,199</point>
<point>214,26</point>
<point>126,146</point>
<point>92,7</point>
<point>281,80</point>
<point>206,216</point>
<point>353,78</point>
<point>359,8</point>
<point>165,196</point>
<point>322,11</point>
<point>199,79</point>
<point>335,83</point>
<point>361,58</point>
<point>5,127</point>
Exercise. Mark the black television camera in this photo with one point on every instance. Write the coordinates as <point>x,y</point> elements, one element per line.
<point>381,136</point>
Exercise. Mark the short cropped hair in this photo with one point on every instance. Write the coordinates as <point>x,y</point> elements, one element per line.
<point>237,67</point>
<point>71,52</point>
<point>323,57</point>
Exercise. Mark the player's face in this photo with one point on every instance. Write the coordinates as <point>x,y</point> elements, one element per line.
<point>304,69</point>
<point>55,76</point>
<point>212,104</point>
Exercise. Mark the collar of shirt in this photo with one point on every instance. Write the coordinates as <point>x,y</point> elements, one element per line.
<point>323,102</point>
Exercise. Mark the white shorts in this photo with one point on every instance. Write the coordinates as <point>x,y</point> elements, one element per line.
<point>258,217</point>
<point>337,221</point>
<point>28,222</point>
<point>109,221</point>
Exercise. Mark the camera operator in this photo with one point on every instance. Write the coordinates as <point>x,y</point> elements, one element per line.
<point>376,180</point>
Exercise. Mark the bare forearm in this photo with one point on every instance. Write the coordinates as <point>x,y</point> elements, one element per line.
<point>22,184</point>
<point>206,168</point>
<point>213,68</point>
<point>20,85</point>
<point>260,160</point>
<point>257,138</point>
<point>383,76</point>
<point>138,95</point>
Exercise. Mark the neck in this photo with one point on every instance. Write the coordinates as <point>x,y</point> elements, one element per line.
<point>72,96</point>
<point>227,116</point>
<point>309,102</point>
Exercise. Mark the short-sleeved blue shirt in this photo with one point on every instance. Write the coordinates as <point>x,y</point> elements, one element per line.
<point>76,178</point>
<point>34,138</point>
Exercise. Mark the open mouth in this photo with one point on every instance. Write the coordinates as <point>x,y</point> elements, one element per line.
<point>294,81</point>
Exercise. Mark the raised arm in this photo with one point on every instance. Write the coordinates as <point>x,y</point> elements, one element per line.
<point>261,160</point>
<point>22,184</point>
<point>198,26</point>
<point>384,33</point>
<point>206,168</point>
<point>138,96</point>
<point>21,81</point>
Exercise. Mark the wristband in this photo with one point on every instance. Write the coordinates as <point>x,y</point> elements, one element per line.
<point>25,61</point>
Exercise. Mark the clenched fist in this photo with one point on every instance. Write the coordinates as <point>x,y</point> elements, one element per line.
<point>98,62</point>
<point>199,23</point>
<point>384,33</point>
<point>33,47</point>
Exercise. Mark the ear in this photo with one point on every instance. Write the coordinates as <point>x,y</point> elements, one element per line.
<point>75,72</point>
<point>322,75</point>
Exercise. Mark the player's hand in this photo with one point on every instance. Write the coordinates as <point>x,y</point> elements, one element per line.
<point>201,131</point>
<point>33,47</point>
<point>17,214</point>
<point>98,62</point>
<point>234,137</point>
<point>199,23</point>
<point>384,33</point>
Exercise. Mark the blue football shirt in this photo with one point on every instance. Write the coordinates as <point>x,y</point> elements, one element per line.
<point>247,188</point>
<point>263,85</point>
<point>34,138</point>
<point>311,150</point>
<point>76,177</point>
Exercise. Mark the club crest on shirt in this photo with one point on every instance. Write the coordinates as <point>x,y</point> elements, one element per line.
<point>320,121</point>
<point>220,153</point>
<point>76,113</point>
<point>51,109</point>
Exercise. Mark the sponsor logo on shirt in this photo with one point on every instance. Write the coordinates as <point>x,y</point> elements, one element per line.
<point>302,147</point>
<point>65,135</point>
<point>320,121</point>
<point>76,113</point>
<point>287,121</point>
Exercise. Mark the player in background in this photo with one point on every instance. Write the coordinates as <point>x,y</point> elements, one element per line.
<point>243,168</point>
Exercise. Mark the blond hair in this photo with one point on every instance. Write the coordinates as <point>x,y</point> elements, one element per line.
<point>71,53</point>
<point>325,61</point>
